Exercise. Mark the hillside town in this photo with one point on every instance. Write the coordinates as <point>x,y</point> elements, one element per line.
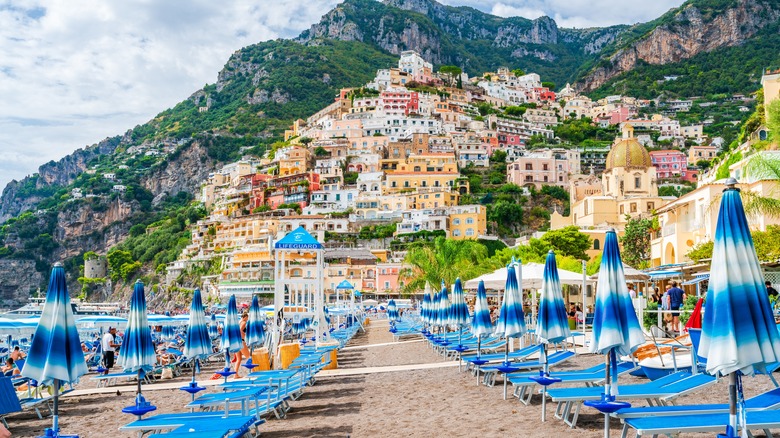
<point>384,164</point>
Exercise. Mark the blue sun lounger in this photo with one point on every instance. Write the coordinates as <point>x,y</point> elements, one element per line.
<point>769,400</point>
<point>499,357</point>
<point>106,380</point>
<point>660,391</point>
<point>673,425</point>
<point>206,422</point>
<point>523,383</point>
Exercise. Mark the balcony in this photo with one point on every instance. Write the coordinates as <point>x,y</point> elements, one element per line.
<point>668,230</point>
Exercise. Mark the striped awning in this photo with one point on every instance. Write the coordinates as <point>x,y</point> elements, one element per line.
<point>697,279</point>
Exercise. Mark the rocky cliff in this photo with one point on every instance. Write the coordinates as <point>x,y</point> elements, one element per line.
<point>18,278</point>
<point>684,33</point>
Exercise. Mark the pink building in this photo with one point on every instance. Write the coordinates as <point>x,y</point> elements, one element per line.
<point>544,167</point>
<point>400,101</point>
<point>618,115</point>
<point>669,163</point>
<point>387,277</point>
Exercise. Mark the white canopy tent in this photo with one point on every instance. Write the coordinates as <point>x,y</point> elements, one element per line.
<point>533,275</point>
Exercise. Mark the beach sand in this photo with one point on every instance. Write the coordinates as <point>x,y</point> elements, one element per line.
<point>435,402</point>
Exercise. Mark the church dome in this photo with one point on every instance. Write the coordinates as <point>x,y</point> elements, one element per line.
<point>628,153</point>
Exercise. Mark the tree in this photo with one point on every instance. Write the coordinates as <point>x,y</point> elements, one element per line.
<point>305,140</point>
<point>443,259</point>
<point>703,164</point>
<point>568,241</point>
<point>498,156</point>
<point>556,192</point>
<point>452,71</point>
<point>766,243</point>
<point>518,72</point>
<point>761,166</point>
<point>701,251</point>
<point>636,242</point>
<point>321,151</point>
<point>549,85</point>
<point>507,214</point>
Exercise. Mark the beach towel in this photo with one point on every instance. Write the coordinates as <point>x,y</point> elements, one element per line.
<point>695,320</point>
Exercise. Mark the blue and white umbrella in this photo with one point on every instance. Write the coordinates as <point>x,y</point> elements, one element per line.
<point>443,314</point>
<point>459,312</point>
<point>231,333</point>
<point>616,329</point>
<point>481,324</point>
<point>739,335</point>
<point>426,304</point>
<point>101,321</point>
<point>255,326</point>
<point>138,353</point>
<point>392,311</point>
<point>198,342</point>
<point>213,329</point>
<point>55,354</point>
<point>168,333</point>
<point>511,320</point>
<point>552,323</point>
<point>156,319</point>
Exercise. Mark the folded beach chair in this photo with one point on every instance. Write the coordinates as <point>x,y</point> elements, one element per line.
<point>691,423</point>
<point>658,392</point>
<point>523,383</point>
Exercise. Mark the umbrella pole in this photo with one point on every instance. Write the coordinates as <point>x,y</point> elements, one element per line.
<point>731,429</point>
<point>55,418</point>
<point>607,393</point>
<point>545,369</point>
<point>139,384</point>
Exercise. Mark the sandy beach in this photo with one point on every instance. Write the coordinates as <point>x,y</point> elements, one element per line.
<point>367,402</point>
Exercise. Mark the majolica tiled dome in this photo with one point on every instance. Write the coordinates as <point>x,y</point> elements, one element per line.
<point>628,153</point>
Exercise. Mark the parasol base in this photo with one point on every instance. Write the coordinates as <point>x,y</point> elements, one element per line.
<point>461,348</point>
<point>249,365</point>
<point>192,388</point>
<point>506,369</point>
<point>479,362</point>
<point>227,372</point>
<point>140,407</point>
<point>544,380</point>
<point>445,343</point>
<point>100,369</point>
<point>607,405</point>
<point>51,433</point>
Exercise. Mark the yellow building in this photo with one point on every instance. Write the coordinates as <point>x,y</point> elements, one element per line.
<point>422,171</point>
<point>467,221</point>
<point>770,81</point>
<point>294,160</point>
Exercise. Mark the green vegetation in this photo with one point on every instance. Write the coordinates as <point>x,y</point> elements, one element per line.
<point>377,231</point>
<point>767,245</point>
<point>636,242</point>
<point>442,260</point>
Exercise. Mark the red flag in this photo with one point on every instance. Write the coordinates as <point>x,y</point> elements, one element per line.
<point>695,320</point>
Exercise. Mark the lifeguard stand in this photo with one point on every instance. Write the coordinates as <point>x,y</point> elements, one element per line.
<point>298,283</point>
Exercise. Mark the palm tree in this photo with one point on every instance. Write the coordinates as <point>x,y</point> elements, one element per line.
<point>443,259</point>
<point>762,166</point>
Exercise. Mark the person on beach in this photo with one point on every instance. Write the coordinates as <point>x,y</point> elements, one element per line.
<point>676,300</point>
<point>244,352</point>
<point>772,292</point>
<point>109,348</point>
<point>631,291</point>
<point>17,354</point>
<point>8,369</point>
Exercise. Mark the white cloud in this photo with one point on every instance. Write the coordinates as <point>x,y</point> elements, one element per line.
<point>73,72</point>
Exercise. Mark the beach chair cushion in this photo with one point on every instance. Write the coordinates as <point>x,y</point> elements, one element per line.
<point>9,402</point>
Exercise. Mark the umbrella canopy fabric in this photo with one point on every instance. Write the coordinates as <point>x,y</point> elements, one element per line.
<point>213,330</point>
<point>101,321</point>
<point>392,311</point>
<point>137,348</point>
<point>231,333</point>
<point>426,308</point>
<point>255,326</point>
<point>615,325</point>
<point>55,353</point>
<point>481,324</point>
<point>168,333</point>
<point>511,320</point>
<point>444,306</point>
<point>155,319</point>
<point>198,342</point>
<point>531,273</point>
<point>459,310</point>
<point>739,331</point>
<point>552,322</point>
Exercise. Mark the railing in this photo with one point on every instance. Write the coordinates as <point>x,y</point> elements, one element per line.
<point>669,230</point>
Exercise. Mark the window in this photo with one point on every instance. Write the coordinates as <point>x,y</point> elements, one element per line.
<point>469,220</point>
<point>650,206</point>
<point>585,204</point>
<point>529,166</point>
<point>545,178</point>
<point>596,244</point>
<point>633,207</point>
<point>469,231</point>
<point>622,210</point>
<point>456,233</point>
<point>387,285</point>
<point>456,221</point>
<point>544,166</point>
<point>338,197</point>
<point>637,182</point>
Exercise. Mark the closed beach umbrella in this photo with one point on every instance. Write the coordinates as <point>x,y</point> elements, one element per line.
<point>616,329</point>
<point>198,342</point>
<point>55,354</point>
<point>739,335</point>
<point>213,329</point>
<point>168,333</point>
<point>481,324</point>
<point>255,326</point>
<point>552,324</point>
<point>424,307</point>
<point>137,351</point>
<point>231,333</point>
<point>392,311</point>
<point>459,311</point>
<point>444,306</point>
<point>511,320</point>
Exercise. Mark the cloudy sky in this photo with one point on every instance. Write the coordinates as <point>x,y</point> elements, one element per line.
<point>77,71</point>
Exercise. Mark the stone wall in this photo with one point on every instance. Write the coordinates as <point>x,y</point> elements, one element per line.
<point>17,279</point>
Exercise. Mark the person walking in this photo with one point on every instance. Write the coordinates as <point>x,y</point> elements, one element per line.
<point>676,300</point>
<point>109,349</point>
<point>244,352</point>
